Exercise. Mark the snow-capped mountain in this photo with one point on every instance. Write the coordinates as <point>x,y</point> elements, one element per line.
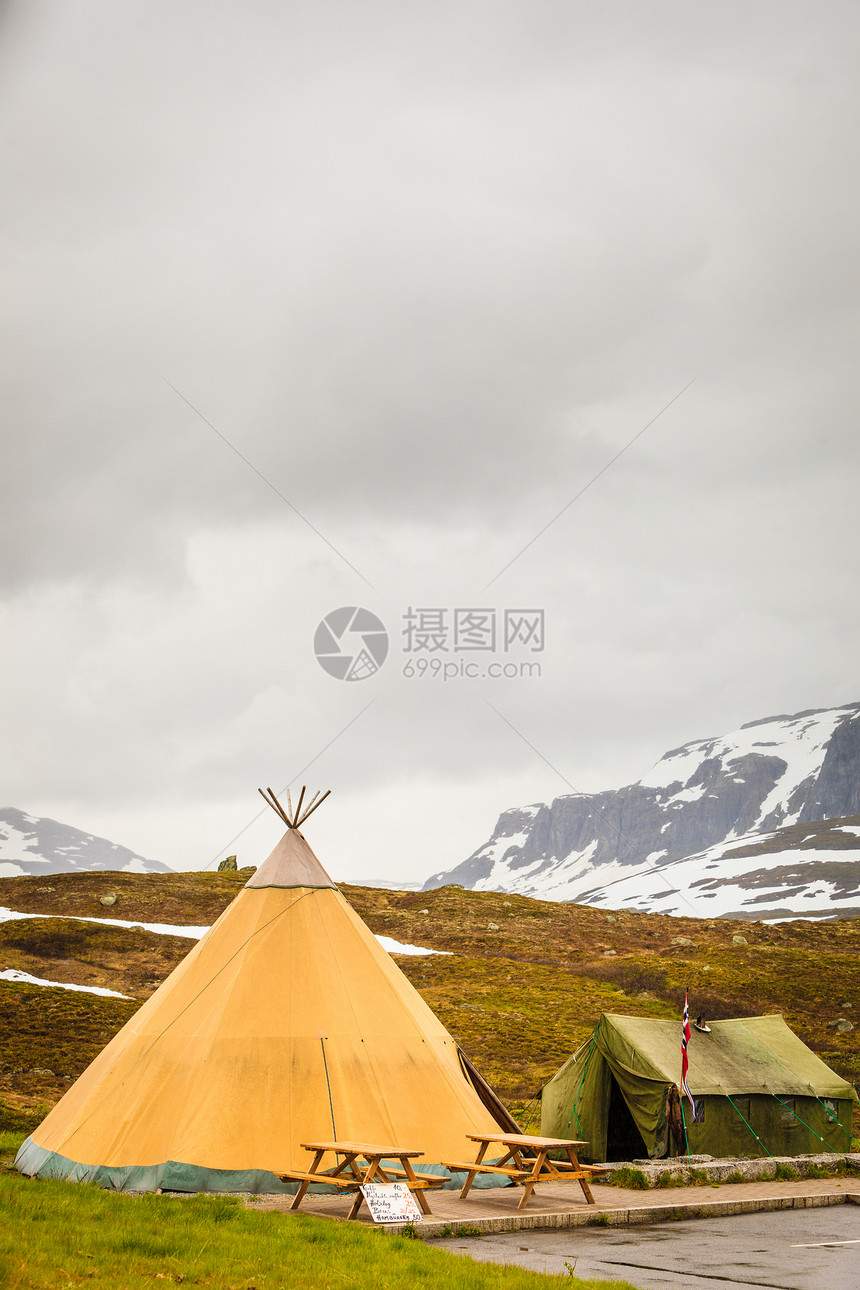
<point>802,871</point>
<point>30,845</point>
<point>767,775</point>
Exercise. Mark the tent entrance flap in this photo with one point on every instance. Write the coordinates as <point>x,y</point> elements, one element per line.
<point>623,1139</point>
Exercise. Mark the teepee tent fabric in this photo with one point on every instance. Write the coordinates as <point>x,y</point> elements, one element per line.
<point>758,1088</point>
<point>286,1023</point>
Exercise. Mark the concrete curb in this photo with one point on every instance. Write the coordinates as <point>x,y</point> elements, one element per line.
<point>631,1217</point>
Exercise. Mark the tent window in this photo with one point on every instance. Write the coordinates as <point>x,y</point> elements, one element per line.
<point>700,1111</point>
<point>787,1118</point>
<point>831,1106</point>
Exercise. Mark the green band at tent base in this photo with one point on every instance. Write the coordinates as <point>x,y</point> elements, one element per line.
<point>173,1175</point>
<point>758,1088</point>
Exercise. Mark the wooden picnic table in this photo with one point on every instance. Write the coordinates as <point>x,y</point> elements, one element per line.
<point>529,1163</point>
<point>358,1163</point>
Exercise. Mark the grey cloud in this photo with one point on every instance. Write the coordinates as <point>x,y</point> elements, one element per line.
<point>428,269</point>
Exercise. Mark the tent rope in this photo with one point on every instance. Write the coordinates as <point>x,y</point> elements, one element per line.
<point>533,1104</point>
<point>803,1122</point>
<point>838,1122</point>
<point>328,1086</point>
<point>753,1132</point>
<point>579,1090</point>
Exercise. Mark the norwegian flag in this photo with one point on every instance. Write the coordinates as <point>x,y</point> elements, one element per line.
<point>685,1039</point>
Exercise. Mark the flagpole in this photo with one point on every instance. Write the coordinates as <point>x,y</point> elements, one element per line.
<point>685,1039</point>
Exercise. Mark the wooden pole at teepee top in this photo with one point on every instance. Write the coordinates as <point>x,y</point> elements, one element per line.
<point>275,805</point>
<point>311,801</point>
<point>311,809</point>
<point>293,818</point>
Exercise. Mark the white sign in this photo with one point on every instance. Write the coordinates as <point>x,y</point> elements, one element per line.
<point>391,1203</point>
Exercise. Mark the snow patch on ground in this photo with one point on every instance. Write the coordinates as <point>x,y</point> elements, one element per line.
<point>11,974</point>
<point>161,929</point>
<point>396,947</point>
<point>193,933</point>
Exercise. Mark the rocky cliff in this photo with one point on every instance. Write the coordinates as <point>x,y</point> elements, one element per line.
<point>769,774</point>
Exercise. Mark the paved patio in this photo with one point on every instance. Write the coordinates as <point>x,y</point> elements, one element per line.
<point>560,1205</point>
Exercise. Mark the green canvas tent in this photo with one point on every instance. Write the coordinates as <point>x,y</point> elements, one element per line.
<point>758,1090</point>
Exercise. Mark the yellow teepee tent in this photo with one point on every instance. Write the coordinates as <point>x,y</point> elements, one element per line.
<point>286,1023</point>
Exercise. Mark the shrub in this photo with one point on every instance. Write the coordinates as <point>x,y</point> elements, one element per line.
<point>627,1177</point>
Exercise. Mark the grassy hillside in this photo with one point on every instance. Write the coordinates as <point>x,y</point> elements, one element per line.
<point>525,983</point>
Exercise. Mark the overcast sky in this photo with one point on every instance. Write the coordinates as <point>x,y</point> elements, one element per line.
<point>340,304</point>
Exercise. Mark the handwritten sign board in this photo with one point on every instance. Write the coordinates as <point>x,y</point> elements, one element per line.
<point>391,1203</point>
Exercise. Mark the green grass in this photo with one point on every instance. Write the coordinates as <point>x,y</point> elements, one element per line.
<point>13,1120</point>
<point>63,1030</point>
<point>10,1141</point>
<point>626,1177</point>
<point>56,1236</point>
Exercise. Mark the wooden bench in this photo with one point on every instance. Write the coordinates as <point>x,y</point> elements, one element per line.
<point>360,1163</point>
<point>332,1179</point>
<point>458,1167</point>
<point>529,1163</point>
<point>426,1180</point>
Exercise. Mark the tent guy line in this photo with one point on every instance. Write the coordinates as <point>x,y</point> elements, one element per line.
<point>269,484</point>
<point>306,766</point>
<point>598,815</point>
<point>586,487</point>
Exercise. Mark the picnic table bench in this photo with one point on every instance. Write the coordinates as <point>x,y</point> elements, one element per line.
<point>529,1163</point>
<point>358,1163</point>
